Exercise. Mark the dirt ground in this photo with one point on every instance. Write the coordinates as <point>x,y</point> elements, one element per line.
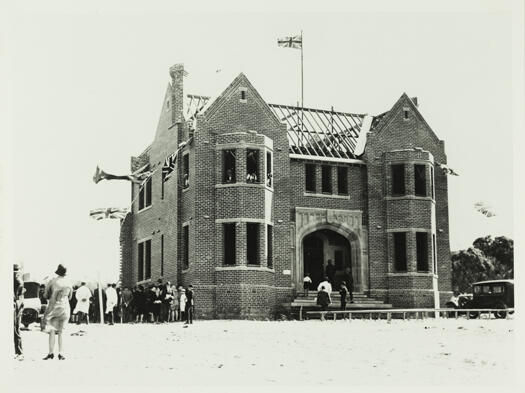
<point>289,354</point>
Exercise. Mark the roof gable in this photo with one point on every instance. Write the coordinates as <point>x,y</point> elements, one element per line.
<point>241,80</point>
<point>402,102</point>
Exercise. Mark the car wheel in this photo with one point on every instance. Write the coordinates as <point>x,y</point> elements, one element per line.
<point>501,314</point>
<point>473,314</point>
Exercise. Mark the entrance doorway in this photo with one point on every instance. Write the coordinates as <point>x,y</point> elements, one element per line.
<point>323,247</point>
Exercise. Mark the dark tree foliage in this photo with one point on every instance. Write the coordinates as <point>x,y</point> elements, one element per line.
<point>488,259</point>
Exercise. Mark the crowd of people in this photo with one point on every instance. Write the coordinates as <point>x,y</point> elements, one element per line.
<point>156,303</point>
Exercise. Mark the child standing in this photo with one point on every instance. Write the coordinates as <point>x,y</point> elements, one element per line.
<point>307,283</point>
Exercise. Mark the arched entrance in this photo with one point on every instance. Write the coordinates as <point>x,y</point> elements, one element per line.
<point>326,252</point>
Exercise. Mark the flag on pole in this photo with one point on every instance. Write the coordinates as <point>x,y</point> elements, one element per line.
<point>295,42</point>
<point>110,212</point>
<point>138,177</point>
<point>447,170</point>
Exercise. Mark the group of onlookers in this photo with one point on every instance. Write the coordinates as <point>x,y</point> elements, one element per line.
<point>160,302</point>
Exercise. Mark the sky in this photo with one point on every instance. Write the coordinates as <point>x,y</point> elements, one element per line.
<point>86,82</point>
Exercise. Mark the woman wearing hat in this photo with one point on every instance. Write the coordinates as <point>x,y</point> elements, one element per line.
<point>59,292</point>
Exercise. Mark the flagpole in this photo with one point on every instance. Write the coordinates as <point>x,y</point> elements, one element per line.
<point>302,85</point>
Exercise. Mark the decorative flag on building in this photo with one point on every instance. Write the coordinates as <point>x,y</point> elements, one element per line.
<point>138,177</point>
<point>447,170</point>
<point>295,42</point>
<point>484,209</point>
<point>169,163</point>
<point>110,212</point>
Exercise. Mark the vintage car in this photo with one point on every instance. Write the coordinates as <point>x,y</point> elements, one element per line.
<point>32,311</point>
<point>498,294</point>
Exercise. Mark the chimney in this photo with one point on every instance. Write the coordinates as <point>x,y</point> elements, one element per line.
<point>177,92</point>
<point>414,100</point>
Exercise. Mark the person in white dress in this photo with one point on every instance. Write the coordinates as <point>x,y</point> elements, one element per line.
<point>83,294</point>
<point>111,302</point>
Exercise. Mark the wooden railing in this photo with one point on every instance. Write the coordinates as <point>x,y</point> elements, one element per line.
<point>419,313</point>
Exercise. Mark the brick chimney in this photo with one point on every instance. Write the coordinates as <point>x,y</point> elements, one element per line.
<point>177,92</point>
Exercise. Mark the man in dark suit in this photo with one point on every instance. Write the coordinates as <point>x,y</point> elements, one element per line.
<point>18,306</point>
<point>190,298</point>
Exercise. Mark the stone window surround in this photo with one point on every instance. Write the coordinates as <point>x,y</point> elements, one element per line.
<point>410,163</point>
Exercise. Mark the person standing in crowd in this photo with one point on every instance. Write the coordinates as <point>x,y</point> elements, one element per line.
<point>118,314</point>
<point>126,304</point>
<point>18,305</point>
<point>157,303</point>
<point>307,283</point>
<point>139,299</point>
<point>72,305</point>
<point>163,310</point>
<point>343,291</point>
<point>43,302</point>
<point>330,271</point>
<point>111,302</point>
<point>173,304</point>
<point>190,302</point>
<point>349,283</point>
<point>326,284</point>
<point>58,292</point>
<point>83,295</point>
<point>323,300</point>
<point>182,303</point>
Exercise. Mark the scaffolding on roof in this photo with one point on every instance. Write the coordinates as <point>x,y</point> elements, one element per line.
<point>194,104</point>
<point>321,133</point>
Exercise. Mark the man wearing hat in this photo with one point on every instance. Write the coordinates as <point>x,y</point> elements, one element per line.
<point>18,306</point>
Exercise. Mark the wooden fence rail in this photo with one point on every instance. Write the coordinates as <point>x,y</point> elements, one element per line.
<point>419,313</point>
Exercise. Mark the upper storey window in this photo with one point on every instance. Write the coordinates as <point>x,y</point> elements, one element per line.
<point>420,180</point>
<point>326,179</point>
<point>186,171</point>
<point>309,177</point>
<point>269,170</point>
<point>398,179</point>
<point>228,165</point>
<point>145,193</point>
<point>252,166</point>
<point>342,180</point>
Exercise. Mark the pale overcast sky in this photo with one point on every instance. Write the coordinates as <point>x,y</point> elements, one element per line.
<point>86,86</point>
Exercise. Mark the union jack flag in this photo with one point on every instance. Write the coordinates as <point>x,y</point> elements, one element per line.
<point>110,212</point>
<point>295,42</point>
<point>170,161</point>
<point>447,170</point>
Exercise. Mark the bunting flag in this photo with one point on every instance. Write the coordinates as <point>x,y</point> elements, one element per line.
<point>138,177</point>
<point>447,170</point>
<point>171,160</point>
<point>110,212</point>
<point>484,209</point>
<point>295,42</point>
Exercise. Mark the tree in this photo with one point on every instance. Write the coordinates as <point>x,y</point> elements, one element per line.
<point>488,259</point>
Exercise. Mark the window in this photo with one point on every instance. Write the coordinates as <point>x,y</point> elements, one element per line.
<point>432,183</point>
<point>185,247</point>
<point>252,166</point>
<point>435,254</point>
<point>162,177</point>
<point>497,289</point>
<point>167,105</point>
<point>398,179</point>
<point>326,179</point>
<point>422,251</point>
<point>342,180</point>
<point>309,176</point>
<point>400,251</point>
<point>269,173</point>
<point>229,250</point>
<point>243,95</point>
<point>420,180</point>
<point>186,171</point>
<point>477,289</point>
<point>252,243</point>
<point>144,260</point>
<point>228,165</point>
<point>405,112</point>
<point>269,243</point>
<point>145,193</point>
<point>485,289</point>
<point>162,255</point>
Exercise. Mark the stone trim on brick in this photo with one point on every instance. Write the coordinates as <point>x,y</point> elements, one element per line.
<point>409,230</point>
<point>243,219</point>
<point>317,195</point>
<point>245,267</point>
<point>410,197</point>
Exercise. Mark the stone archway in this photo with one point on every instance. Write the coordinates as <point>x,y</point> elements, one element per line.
<point>348,224</point>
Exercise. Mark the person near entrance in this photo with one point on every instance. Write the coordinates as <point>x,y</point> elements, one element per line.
<point>326,285</point>
<point>343,291</point>
<point>330,271</point>
<point>307,283</point>
<point>323,300</point>
<point>349,283</point>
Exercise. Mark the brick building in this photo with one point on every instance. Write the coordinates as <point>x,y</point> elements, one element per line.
<point>264,193</point>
